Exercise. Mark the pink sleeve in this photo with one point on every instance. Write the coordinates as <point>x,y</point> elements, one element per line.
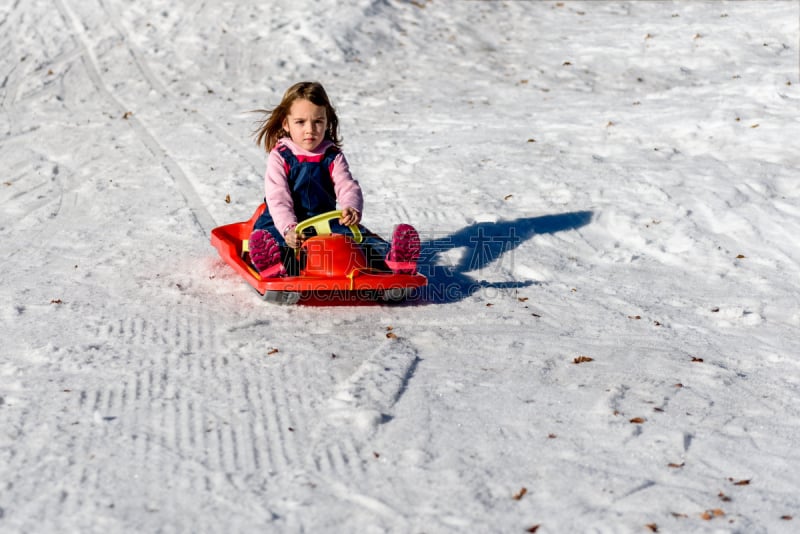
<point>348,192</point>
<point>277,193</point>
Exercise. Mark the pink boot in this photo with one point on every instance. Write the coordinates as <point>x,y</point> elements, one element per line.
<point>266,254</point>
<point>403,255</point>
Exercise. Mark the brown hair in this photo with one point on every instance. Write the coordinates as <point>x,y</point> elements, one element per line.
<point>270,128</point>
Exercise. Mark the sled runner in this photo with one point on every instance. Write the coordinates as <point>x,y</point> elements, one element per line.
<point>332,267</point>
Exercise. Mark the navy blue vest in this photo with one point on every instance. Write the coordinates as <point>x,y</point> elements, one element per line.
<point>311,185</point>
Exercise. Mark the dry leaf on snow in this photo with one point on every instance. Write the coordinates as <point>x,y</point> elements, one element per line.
<point>708,515</point>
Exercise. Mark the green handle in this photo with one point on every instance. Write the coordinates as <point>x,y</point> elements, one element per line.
<point>321,223</point>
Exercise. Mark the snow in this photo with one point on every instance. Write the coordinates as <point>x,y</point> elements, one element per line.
<point>616,181</point>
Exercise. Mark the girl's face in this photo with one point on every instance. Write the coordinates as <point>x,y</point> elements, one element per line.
<point>306,124</point>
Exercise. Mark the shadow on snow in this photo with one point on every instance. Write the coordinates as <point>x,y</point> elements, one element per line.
<point>486,245</point>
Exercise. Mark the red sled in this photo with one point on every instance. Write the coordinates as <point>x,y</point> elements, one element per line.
<point>333,267</point>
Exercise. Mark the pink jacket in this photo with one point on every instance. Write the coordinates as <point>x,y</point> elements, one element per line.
<point>276,184</point>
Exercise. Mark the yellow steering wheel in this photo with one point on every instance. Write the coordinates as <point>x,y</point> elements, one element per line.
<point>322,224</point>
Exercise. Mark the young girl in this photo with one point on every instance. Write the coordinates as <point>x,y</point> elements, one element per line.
<point>307,174</point>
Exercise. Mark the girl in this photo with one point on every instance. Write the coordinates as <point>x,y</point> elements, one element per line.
<point>307,174</point>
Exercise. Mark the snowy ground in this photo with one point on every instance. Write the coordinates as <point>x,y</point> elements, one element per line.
<point>631,166</point>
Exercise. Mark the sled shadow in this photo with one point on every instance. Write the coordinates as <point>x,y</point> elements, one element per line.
<point>485,245</point>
